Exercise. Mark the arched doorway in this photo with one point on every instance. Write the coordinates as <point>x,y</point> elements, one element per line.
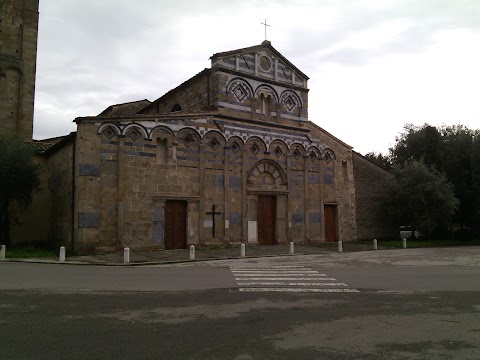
<point>267,190</point>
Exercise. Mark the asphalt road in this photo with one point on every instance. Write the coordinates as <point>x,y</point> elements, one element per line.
<point>410,304</point>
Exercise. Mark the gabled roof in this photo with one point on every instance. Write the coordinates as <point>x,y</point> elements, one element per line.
<point>127,108</point>
<point>264,45</point>
<point>179,87</point>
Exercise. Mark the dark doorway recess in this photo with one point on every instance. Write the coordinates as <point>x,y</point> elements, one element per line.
<point>266,220</point>
<point>330,223</point>
<point>175,224</point>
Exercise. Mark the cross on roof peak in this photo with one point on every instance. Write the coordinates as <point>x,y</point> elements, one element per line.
<point>265,24</point>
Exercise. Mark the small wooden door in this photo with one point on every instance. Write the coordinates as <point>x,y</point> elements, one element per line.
<point>330,223</point>
<point>266,220</point>
<point>175,224</point>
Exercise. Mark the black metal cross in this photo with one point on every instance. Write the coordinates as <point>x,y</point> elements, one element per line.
<point>265,24</point>
<point>213,213</point>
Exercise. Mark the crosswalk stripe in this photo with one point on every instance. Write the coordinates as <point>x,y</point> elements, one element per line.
<point>291,278</point>
<point>275,274</point>
<point>275,271</point>
<point>288,284</point>
<point>285,278</point>
<point>298,290</point>
<point>268,267</point>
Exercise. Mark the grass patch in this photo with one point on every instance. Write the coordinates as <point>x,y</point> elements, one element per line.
<point>26,252</point>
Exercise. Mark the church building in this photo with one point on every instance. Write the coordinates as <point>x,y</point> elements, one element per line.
<point>228,156</point>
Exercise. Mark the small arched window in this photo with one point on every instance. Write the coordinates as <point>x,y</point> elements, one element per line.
<point>162,151</point>
<point>265,104</point>
<point>176,107</point>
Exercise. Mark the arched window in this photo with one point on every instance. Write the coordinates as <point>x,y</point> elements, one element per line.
<point>162,151</point>
<point>176,107</point>
<point>265,104</point>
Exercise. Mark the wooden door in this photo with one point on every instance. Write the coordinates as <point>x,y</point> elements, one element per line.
<point>330,223</point>
<point>266,220</point>
<point>175,224</point>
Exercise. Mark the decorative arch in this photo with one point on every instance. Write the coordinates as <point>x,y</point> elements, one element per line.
<point>290,100</point>
<point>266,90</point>
<point>328,155</point>
<point>270,167</point>
<point>278,148</point>
<point>135,131</point>
<point>314,154</point>
<point>214,139</point>
<point>188,136</point>
<point>255,144</point>
<point>109,130</point>
<point>240,88</point>
<point>297,150</point>
<point>160,131</point>
<point>235,143</point>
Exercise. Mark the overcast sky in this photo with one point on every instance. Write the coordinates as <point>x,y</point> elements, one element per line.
<point>374,65</point>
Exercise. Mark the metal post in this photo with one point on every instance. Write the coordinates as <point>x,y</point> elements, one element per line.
<point>404,243</point>
<point>62,254</point>
<point>340,246</point>
<point>292,248</point>
<point>126,255</point>
<point>242,250</point>
<point>375,247</point>
<point>192,252</point>
<point>2,252</point>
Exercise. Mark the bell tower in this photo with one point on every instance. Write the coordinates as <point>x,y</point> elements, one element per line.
<point>18,58</point>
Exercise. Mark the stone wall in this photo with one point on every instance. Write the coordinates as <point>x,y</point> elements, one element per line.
<point>192,94</point>
<point>18,53</point>
<point>60,187</point>
<point>370,191</point>
<point>127,171</point>
<point>32,225</point>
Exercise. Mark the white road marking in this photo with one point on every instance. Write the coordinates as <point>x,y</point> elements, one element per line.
<point>275,274</point>
<point>268,267</point>
<point>293,279</point>
<point>285,278</point>
<point>288,284</point>
<point>299,290</point>
<point>275,271</point>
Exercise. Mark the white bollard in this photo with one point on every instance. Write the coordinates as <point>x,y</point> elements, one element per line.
<point>62,254</point>
<point>340,246</point>
<point>375,247</point>
<point>192,252</point>
<point>126,255</point>
<point>242,250</point>
<point>2,252</point>
<point>404,243</point>
<point>292,248</point>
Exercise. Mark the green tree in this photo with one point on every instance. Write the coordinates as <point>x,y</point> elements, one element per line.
<point>19,179</point>
<point>420,143</point>
<point>450,150</point>
<point>380,159</point>
<point>421,197</point>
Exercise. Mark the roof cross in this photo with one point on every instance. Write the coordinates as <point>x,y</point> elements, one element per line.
<point>265,24</point>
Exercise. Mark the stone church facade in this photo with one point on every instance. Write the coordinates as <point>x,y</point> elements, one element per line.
<point>228,156</point>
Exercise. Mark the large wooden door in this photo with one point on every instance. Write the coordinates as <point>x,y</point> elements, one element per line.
<point>266,220</point>
<point>175,224</point>
<point>330,223</point>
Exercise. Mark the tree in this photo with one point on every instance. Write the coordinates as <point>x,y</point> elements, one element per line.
<point>380,159</point>
<point>19,179</point>
<point>450,150</point>
<point>421,197</point>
